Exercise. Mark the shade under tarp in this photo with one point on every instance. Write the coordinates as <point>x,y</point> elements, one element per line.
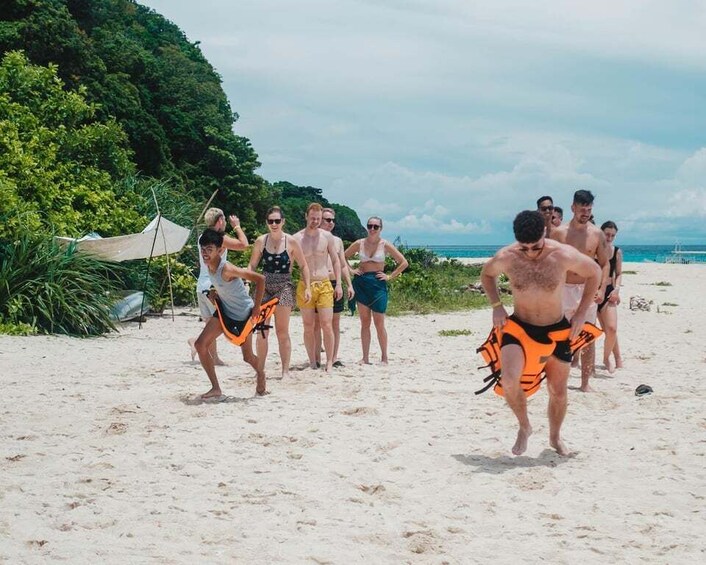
<point>170,238</point>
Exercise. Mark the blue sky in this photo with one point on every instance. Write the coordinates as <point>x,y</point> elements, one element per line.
<point>447,117</point>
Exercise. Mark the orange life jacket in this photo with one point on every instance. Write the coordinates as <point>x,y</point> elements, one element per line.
<point>266,310</point>
<point>536,354</point>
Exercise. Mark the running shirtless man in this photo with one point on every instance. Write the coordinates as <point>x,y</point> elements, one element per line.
<point>319,247</point>
<point>537,268</point>
<point>587,238</point>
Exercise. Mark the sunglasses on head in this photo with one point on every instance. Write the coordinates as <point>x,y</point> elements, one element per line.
<point>329,220</point>
<point>546,208</point>
<point>374,226</point>
<point>274,221</point>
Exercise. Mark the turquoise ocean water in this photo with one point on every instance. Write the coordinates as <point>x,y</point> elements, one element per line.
<point>631,253</point>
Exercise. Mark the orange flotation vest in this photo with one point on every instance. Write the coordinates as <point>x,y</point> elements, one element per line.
<point>536,354</point>
<point>266,310</point>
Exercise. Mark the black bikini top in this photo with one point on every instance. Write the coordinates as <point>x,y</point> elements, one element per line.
<point>275,262</point>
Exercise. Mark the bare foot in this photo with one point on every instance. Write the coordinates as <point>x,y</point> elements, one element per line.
<point>364,362</point>
<point>523,435</point>
<point>263,392</point>
<point>618,363</point>
<point>585,388</point>
<point>213,393</point>
<point>560,447</point>
<point>191,341</point>
<point>219,363</point>
<point>383,362</point>
<point>609,366</point>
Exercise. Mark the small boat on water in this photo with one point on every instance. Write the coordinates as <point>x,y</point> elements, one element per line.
<point>679,255</point>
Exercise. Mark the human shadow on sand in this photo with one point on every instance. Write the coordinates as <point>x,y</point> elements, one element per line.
<point>503,463</point>
<point>198,401</point>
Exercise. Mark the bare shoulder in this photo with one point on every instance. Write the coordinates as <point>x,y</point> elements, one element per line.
<point>231,272</point>
<point>559,233</point>
<point>501,260</point>
<point>561,251</point>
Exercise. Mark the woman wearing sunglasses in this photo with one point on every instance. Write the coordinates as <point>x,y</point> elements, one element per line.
<point>370,283</point>
<point>275,250</point>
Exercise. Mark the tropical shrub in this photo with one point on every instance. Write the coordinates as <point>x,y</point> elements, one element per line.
<point>54,289</point>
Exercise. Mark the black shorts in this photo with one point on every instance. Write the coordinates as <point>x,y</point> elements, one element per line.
<point>338,305</point>
<point>540,334</point>
<point>233,326</point>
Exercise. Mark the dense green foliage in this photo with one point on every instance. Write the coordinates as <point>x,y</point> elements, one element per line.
<point>106,106</point>
<point>432,285</point>
<point>57,161</point>
<point>294,201</point>
<point>144,73</point>
<point>51,289</point>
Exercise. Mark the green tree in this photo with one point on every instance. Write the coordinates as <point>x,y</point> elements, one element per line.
<point>57,161</point>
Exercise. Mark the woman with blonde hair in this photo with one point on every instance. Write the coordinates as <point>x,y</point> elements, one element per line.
<point>276,250</point>
<point>370,284</point>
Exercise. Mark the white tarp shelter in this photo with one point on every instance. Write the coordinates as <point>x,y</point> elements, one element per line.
<point>160,237</point>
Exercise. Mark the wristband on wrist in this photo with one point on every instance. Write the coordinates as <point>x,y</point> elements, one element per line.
<point>496,304</point>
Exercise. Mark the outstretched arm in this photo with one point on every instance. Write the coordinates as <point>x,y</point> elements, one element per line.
<point>402,263</point>
<point>232,243</point>
<point>256,278</point>
<point>492,269</point>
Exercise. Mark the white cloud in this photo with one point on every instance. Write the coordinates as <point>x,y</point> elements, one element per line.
<point>446,118</point>
<point>693,170</point>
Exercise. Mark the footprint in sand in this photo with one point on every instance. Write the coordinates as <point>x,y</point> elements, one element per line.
<point>116,428</point>
<point>359,411</point>
<point>423,541</point>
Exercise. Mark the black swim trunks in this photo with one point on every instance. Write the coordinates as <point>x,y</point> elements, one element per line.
<point>540,334</point>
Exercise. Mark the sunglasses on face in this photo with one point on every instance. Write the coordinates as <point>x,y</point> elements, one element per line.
<point>532,249</point>
<point>274,221</point>
<point>374,226</point>
<point>546,208</point>
<point>329,220</point>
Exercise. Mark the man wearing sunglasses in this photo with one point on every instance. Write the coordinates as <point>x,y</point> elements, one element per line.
<point>319,247</point>
<point>588,239</point>
<point>537,268</point>
<point>328,223</point>
<point>545,206</point>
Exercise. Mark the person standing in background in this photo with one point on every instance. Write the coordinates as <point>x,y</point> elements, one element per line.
<point>215,219</point>
<point>608,309</point>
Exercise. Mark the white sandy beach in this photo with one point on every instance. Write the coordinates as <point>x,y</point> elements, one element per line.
<point>108,455</point>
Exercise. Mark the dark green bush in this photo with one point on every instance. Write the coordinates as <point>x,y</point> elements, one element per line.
<point>53,288</point>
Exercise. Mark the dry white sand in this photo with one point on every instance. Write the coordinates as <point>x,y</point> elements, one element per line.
<point>108,455</point>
